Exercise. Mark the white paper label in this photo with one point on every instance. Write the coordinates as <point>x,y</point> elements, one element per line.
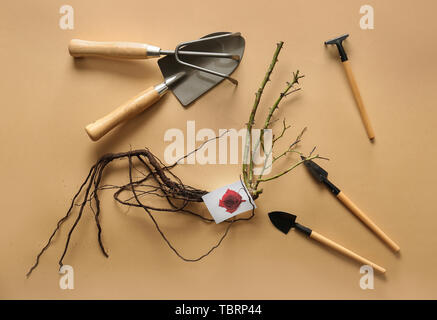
<point>228,201</point>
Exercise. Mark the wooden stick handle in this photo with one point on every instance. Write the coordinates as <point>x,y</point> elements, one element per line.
<point>366,220</point>
<point>128,110</point>
<point>359,100</point>
<point>318,237</point>
<point>124,50</point>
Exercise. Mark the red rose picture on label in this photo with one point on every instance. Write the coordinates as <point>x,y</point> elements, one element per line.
<point>231,200</point>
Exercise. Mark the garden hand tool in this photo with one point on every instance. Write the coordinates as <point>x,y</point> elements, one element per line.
<point>322,176</point>
<point>285,221</point>
<point>134,50</point>
<point>190,79</point>
<point>132,107</point>
<point>350,76</point>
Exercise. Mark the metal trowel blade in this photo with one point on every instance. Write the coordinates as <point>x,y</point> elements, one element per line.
<point>196,83</point>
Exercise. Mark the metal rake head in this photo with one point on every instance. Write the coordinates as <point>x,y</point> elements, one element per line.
<point>203,42</point>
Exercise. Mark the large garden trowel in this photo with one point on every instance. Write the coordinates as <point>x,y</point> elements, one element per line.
<point>192,69</point>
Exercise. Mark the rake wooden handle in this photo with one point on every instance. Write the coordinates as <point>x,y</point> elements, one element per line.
<point>124,50</point>
<point>128,110</point>
<point>359,100</point>
<point>318,237</point>
<point>366,220</point>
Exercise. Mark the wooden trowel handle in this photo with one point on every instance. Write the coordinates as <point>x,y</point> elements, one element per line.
<point>318,237</point>
<point>359,100</point>
<point>366,220</point>
<point>124,50</point>
<point>128,110</point>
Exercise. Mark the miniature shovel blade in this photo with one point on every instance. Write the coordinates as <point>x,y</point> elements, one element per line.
<point>282,220</point>
<point>316,171</point>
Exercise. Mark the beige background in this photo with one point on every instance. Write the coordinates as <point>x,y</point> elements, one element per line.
<point>48,98</point>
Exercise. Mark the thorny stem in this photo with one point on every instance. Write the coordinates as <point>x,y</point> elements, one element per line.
<point>283,94</point>
<point>248,171</point>
<point>250,180</point>
<point>275,107</point>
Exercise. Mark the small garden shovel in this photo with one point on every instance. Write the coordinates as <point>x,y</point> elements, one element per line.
<point>284,221</point>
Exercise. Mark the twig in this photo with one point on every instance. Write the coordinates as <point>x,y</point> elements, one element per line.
<point>288,170</point>
<point>284,128</point>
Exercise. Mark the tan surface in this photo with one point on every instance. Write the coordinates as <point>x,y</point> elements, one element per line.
<point>48,98</point>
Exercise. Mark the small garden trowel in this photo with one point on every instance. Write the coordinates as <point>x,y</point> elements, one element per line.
<point>322,176</point>
<point>284,221</point>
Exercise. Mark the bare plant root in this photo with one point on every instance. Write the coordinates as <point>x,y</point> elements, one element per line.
<point>157,181</point>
